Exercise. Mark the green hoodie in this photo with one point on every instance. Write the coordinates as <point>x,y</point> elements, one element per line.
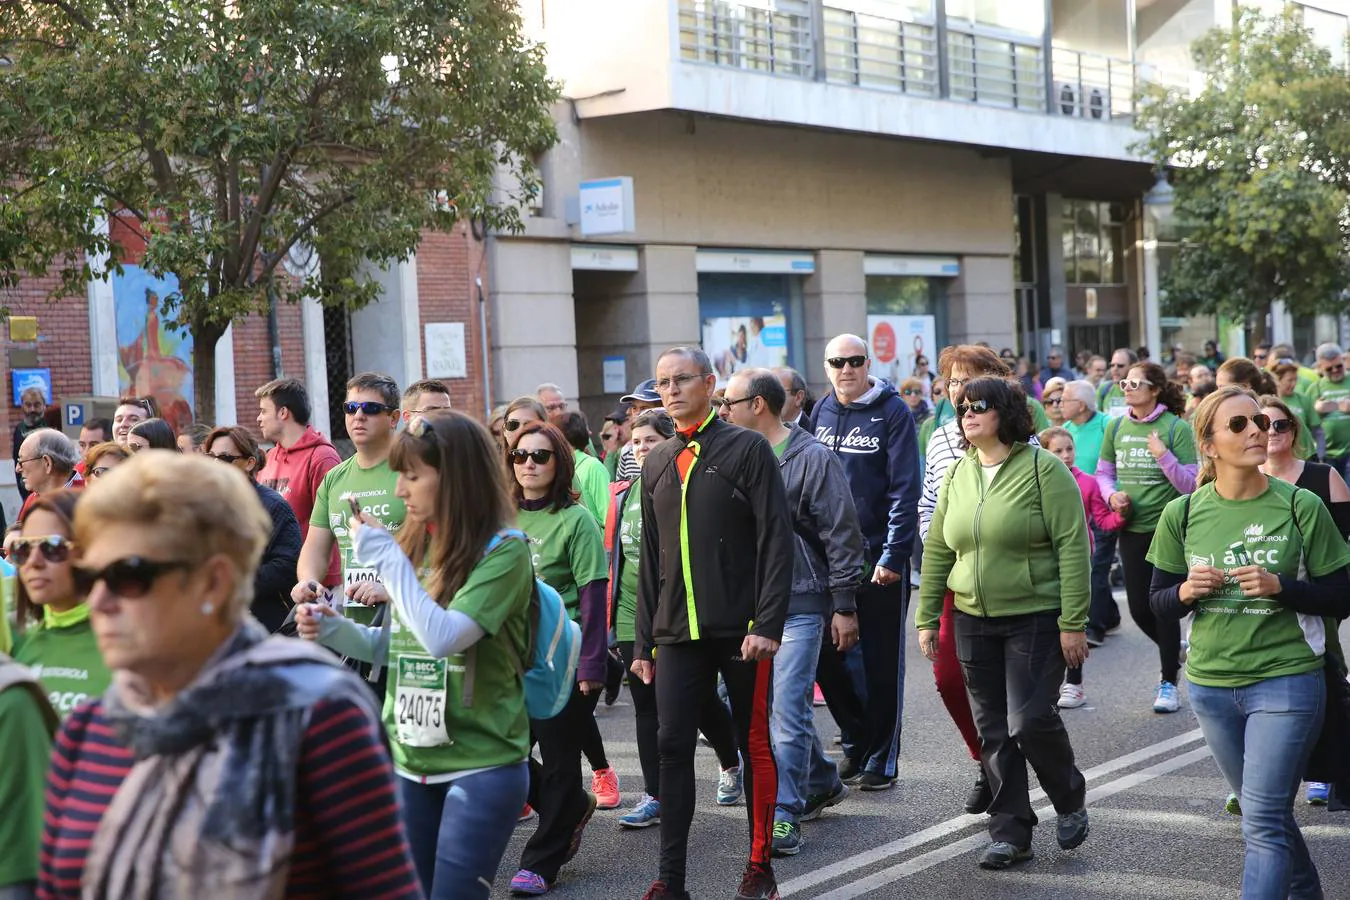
<point>1008,549</point>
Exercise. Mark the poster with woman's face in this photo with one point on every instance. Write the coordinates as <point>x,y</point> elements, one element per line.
<point>745,342</point>
<point>898,344</point>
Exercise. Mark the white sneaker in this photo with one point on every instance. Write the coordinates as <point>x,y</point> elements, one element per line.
<point>1071,696</point>
<point>1167,701</point>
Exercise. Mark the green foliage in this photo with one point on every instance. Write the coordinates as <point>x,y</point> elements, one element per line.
<point>228,132</point>
<point>1261,172</point>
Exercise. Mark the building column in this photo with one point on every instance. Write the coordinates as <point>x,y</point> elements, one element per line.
<point>1052,284</point>
<point>386,332</point>
<point>834,302</point>
<point>227,412</point>
<point>981,303</point>
<point>102,326</point>
<point>534,333</point>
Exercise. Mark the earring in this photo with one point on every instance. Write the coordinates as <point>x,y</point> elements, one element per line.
<point>208,608</point>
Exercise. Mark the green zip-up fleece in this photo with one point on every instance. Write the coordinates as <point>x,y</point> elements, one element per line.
<point>1018,546</point>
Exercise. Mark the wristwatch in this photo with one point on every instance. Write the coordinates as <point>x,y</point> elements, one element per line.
<point>845,612</point>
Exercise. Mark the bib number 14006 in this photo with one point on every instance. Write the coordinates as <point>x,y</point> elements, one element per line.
<point>419,702</point>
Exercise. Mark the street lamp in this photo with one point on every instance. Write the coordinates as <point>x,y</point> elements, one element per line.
<point>1160,198</point>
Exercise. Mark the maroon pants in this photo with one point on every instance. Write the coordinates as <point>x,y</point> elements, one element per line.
<point>951,684</point>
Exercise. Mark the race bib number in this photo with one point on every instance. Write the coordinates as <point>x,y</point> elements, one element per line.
<point>354,575</point>
<point>419,702</point>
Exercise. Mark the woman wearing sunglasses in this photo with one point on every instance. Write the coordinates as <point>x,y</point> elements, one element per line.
<point>912,392</point>
<point>152,434</point>
<point>569,554</point>
<point>272,584</point>
<point>103,458</point>
<point>1288,389</point>
<point>1052,395</point>
<point>623,539</point>
<point>461,601</point>
<point>1010,542</point>
<point>55,636</point>
<point>1147,460</point>
<point>156,788</point>
<point>1257,563</point>
<point>521,412</point>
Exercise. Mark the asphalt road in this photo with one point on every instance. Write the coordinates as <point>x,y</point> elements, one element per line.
<point>1154,796</point>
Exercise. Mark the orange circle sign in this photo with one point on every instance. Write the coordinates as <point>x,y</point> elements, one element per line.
<point>883,342</point>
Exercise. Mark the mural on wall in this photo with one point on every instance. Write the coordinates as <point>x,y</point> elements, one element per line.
<point>152,360</point>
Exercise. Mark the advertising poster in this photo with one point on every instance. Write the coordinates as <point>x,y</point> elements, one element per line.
<point>152,360</point>
<point>745,342</point>
<point>897,341</point>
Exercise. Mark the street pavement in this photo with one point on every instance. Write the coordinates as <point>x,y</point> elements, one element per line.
<point>1154,797</point>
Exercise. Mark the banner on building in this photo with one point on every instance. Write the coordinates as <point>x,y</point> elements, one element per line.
<point>745,342</point>
<point>898,342</point>
<point>152,360</point>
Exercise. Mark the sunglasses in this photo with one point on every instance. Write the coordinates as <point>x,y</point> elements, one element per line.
<point>853,362</point>
<point>978,407</point>
<point>54,548</point>
<point>541,457</point>
<point>369,407</point>
<point>1056,401</point>
<point>1281,426</point>
<point>131,577</point>
<point>911,392</point>
<point>514,424</point>
<point>1339,367</point>
<point>1238,424</point>
<point>227,457</point>
<point>1133,384</point>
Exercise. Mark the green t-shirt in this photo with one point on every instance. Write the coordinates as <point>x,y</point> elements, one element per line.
<point>1138,474</point>
<point>568,550</point>
<point>630,545</point>
<point>1087,441</point>
<point>431,729</point>
<point>1112,401</point>
<point>591,481</point>
<point>1302,405</point>
<point>63,654</point>
<point>28,750</point>
<point>1237,640</point>
<point>374,489</point>
<point>1335,425</point>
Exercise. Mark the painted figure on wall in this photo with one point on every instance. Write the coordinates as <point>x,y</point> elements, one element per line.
<point>152,360</point>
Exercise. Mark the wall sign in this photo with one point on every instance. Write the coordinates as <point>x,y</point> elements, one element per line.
<point>607,206</point>
<point>891,264</point>
<point>604,258</point>
<point>445,350</point>
<point>755,262</point>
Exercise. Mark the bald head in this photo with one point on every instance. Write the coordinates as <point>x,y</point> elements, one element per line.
<point>847,367</point>
<point>846,345</point>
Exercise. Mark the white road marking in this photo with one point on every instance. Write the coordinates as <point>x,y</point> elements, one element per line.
<point>960,823</point>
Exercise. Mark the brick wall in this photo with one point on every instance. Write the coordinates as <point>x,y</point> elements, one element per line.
<point>447,265</point>
<point>253,358</point>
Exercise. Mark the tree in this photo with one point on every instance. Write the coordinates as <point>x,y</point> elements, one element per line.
<point>229,133</point>
<point>1259,172</point>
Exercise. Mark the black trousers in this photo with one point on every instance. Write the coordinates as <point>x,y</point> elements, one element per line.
<point>841,698</point>
<point>686,674</point>
<point>714,721</point>
<point>1013,666</point>
<point>1103,614</point>
<point>555,785</point>
<point>1164,632</point>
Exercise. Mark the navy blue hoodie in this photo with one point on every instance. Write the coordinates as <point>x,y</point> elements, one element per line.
<point>874,438</point>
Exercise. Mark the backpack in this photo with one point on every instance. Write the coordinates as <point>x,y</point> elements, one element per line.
<point>555,647</point>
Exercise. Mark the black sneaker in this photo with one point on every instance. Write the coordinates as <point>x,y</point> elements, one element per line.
<point>1072,829</point>
<point>1094,637</point>
<point>871,781</point>
<point>757,883</point>
<point>981,794</point>
<point>787,839</point>
<point>816,805</point>
<point>849,772</point>
<point>1001,855</point>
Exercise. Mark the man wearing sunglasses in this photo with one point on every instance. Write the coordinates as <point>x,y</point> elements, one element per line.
<point>1331,400</point>
<point>1110,398</point>
<point>872,432</point>
<point>372,415</point>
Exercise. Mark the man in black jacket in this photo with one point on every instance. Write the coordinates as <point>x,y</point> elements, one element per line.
<point>713,590</point>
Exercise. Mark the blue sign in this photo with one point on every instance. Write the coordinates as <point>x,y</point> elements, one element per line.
<point>32,378</point>
<point>75,414</point>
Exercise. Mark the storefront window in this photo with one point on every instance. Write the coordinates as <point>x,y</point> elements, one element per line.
<point>906,323</point>
<point>750,321</point>
<point>1094,242</point>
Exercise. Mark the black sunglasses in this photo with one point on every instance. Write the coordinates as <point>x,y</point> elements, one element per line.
<point>227,457</point>
<point>1281,426</point>
<point>514,424</point>
<point>974,406</point>
<point>541,457</point>
<point>369,407</point>
<point>854,362</point>
<point>1238,424</point>
<point>911,392</point>
<point>54,549</point>
<point>131,577</point>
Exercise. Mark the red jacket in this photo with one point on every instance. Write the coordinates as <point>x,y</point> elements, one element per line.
<point>295,473</point>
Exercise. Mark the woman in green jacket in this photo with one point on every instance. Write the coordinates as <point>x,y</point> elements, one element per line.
<point>55,638</point>
<point>1010,540</point>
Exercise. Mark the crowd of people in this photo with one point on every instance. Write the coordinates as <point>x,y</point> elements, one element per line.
<point>250,672</point>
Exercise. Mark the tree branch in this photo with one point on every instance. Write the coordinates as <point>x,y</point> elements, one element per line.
<point>303,229</point>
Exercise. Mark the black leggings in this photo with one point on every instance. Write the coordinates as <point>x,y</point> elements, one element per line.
<point>1138,571</point>
<point>714,721</point>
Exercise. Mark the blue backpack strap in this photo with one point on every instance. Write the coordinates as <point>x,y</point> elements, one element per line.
<point>471,655</point>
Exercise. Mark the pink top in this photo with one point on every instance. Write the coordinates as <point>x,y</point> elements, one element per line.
<point>1099,515</point>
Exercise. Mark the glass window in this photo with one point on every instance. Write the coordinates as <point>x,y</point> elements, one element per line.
<point>897,344</point>
<point>1024,254</point>
<point>1067,231</point>
<point>1087,242</point>
<point>1022,16</point>
<point>750,321</point>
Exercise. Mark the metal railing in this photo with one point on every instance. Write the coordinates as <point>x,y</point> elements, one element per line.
<point>995,70</point>
<point>869,51</point>
<point>1091,86</point>
<point>746,37</point>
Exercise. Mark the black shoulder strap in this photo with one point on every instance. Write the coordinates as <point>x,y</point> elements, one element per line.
<point>1185,519</point>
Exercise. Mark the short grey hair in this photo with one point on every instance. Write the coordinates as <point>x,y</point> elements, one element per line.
<point>794,378</point>
<point>1081,390</point>
<point>548,386</point>
<point>764,383</point>
<point>1329,351</point>
<point>60,449</point>
<point>697,355</point>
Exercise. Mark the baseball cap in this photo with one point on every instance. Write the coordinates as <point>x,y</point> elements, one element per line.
<point>643,393</point>
<point>619,413</point>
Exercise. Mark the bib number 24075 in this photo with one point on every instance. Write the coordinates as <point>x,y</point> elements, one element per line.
<point>419,702</point>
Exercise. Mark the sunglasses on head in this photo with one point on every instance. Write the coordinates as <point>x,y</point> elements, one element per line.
<point>369,407</point>
<point>131,577</point>
<point>1133,384</point>
<point>974,406</point>
<point>853,362</point>
<point>1238,424</point>
<point>541,457</point>
<point>54,549</point>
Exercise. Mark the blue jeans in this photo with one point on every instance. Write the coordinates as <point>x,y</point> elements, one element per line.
<point>803,770</point>
<point>1103,614</point>
<point>1261,736</point>
<point>459,829</point>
